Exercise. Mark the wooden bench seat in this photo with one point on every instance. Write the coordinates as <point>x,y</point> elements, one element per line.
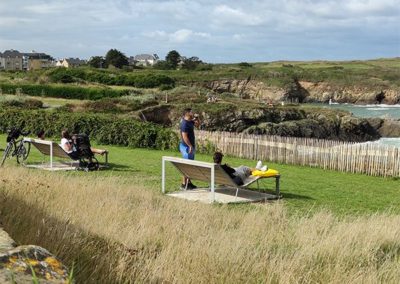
<point>52,149</point>
<point>211,173</point>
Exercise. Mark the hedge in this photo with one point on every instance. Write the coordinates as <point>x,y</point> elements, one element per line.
<point>62,75</point>
<point>105,129</point>
<point>66,92</point>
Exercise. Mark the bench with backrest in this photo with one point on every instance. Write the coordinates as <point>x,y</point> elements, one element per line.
<point>211,173</point>
<point>52,149</point>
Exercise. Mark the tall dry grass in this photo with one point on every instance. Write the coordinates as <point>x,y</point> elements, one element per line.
<point>118,231</point>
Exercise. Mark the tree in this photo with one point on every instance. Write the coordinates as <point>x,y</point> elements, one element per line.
<point>97,62</point>
<point>162,65</point>
<point>191,63</point>
<point>116,58</point>
<point>173,57</point>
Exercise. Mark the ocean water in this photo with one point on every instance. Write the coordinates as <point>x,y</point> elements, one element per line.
<point>381,111</point>
<point>388,141</point>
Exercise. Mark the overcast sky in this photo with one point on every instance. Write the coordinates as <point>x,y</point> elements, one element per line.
<point>215,31</point>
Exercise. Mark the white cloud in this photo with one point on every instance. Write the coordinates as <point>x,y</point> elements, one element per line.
<point>14,21</point>
<point>224,14</point>
<point>46,8</point>
<point>210,29</point>
<point>179,36</point>
<point>238,37</point>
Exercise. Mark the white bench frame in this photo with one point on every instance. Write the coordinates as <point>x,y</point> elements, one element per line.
<point>223,176</point>
<point>55,150</point>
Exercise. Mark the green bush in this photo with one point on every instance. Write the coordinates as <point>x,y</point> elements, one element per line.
<point>153,81</point>
<point>62,75</point>
<point>105,129</point>
<point>204,67</point>
<point>104,105</point>
<point>245,64</point>
<point>116,105</point>
<point>164,87</point>
<point>66,92</point>
<point>23,103</point>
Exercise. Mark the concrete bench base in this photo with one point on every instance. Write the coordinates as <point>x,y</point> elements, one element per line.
<point>223,195</point>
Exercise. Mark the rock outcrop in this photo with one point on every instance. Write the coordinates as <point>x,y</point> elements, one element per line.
<point>282,121</point>
<point>390,128</point>
<point>303,91</point>
<point>18,264</point>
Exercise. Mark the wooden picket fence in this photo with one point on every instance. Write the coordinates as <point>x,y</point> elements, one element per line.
<point>366,158</point>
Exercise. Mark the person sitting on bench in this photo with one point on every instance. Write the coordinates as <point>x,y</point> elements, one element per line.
<point>41,135</point>
<point>238,174</point>
<point>68,147</point>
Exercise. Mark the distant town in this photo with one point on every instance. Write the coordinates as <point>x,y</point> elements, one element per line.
<point>13,60</point>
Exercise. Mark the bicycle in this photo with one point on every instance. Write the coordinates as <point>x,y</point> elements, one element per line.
<point>18,148</point>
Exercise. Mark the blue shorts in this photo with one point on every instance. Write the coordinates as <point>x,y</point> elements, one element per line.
<point>185,151</point>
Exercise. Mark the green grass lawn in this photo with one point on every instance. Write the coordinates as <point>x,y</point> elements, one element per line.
<point>304,189</point>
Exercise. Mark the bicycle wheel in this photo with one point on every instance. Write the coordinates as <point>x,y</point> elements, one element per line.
<point>23,151</point>
<point>6,153</point>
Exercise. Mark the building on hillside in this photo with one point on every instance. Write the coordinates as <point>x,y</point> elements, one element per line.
<point>35,60</point>
<point>143,59</point>
<point>15,60</point>
<point>70,62</point>
<point>11,60</point>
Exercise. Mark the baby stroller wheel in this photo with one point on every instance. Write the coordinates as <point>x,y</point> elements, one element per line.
<point>94,164</point>
<point>89,164</point>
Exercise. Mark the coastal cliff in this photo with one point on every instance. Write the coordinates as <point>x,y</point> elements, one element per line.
<point>304,91</point>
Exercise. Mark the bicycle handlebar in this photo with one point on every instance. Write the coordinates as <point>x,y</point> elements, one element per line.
<point>14,133</point>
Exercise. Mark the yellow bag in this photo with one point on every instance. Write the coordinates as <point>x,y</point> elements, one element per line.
<point>267,173</point>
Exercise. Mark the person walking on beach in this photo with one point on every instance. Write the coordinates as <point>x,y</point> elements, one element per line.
<point>187,144</point>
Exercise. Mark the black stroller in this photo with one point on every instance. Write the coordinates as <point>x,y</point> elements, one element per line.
<point>84,154</point>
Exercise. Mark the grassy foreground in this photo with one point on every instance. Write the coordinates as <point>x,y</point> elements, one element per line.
<point>116,226</point>
<point>117,230</point>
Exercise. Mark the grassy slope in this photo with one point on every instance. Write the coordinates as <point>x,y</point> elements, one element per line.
<point>304,189</point>
<point>369,73</point>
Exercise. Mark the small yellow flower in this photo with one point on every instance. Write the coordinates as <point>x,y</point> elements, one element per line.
<point>12,259</point>
<point>48,276</point>
<point>54,263</point>
<point>32,262</point>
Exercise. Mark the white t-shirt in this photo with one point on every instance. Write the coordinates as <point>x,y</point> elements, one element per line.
<point>64,143</point>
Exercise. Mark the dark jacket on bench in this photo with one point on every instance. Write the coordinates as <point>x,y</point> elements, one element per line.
<point>231,172</point>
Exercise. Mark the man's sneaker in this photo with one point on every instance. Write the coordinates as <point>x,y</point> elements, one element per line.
<point>191,186</point>
<point>183,187</point>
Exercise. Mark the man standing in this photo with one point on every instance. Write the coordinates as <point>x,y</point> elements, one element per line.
<point>187,144</point>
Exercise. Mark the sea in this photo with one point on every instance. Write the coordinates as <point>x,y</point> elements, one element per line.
<point>381,111</point>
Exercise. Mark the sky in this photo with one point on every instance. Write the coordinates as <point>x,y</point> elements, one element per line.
<point>216,31</point>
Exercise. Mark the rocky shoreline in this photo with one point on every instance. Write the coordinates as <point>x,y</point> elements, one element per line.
<point>18,262</point>
<point>305,92</point>
<point>281,121</point>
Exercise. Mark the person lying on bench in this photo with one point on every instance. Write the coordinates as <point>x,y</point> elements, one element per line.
<point>68,147</point>
<point>238,174</point>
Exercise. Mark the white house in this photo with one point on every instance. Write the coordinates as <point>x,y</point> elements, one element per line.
<point>70,62</point>
<point>144,59</point>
